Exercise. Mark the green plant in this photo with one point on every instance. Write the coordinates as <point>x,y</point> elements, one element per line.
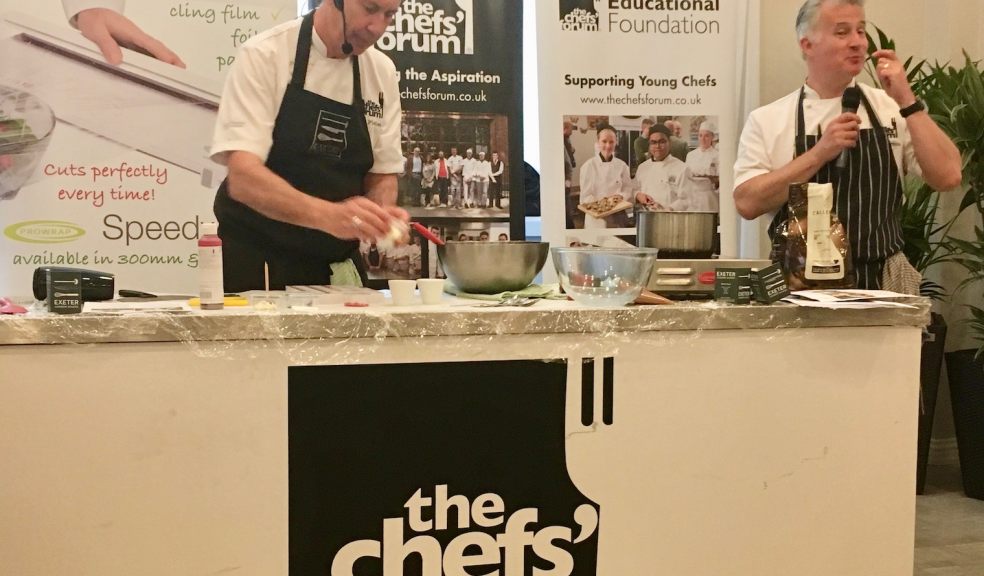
<point>886,43</point>
<point>955,98</point>
<point>920,204</point>
<point>970,255</point>
<point>921,233</point>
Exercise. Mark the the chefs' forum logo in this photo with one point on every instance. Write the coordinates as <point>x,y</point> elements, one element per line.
<point>374,108</point>
<point>432,27</point>
<point>506,537</point>
<point>578,16</point>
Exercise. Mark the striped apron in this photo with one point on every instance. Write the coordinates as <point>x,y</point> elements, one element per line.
<point>867,196</point>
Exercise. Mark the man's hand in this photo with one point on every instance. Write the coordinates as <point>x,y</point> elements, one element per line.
<point>110,30</point>
<point>893,79</point>
<point>649,203</point>
<point>841,133</point>
<point>359,218</point>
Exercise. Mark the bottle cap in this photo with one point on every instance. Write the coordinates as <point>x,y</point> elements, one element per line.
<point>210,228</point>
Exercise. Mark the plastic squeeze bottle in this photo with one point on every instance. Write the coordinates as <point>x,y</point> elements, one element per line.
<point>210,290</point>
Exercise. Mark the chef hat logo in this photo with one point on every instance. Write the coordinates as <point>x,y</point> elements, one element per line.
<point>578,16</point>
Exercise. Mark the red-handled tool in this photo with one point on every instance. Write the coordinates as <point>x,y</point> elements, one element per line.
<point>8,307</point>
<point>426,233</point>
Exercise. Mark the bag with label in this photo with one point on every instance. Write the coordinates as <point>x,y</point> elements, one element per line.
<point>811,245</point>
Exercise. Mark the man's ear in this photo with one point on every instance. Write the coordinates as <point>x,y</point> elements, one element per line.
<point>805,46</point>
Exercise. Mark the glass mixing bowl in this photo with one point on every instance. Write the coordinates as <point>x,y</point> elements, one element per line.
<point>26,124</point>
<point>604,277</point>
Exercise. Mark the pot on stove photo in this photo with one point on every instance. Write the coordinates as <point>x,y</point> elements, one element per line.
<point>677,234</point>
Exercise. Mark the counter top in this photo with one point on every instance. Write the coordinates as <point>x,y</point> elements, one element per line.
<point>455,317</point>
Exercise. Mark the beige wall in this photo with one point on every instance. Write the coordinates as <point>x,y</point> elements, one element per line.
<point>935,30</point>
<point>931,29</point>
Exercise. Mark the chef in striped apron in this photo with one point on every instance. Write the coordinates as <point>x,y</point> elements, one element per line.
<point>800,137</point>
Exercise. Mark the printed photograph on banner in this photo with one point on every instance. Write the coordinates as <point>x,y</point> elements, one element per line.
<point>456,172</point>
<point>103,147</point>
<point>460,71</point>
<point>392,262</point>
<point>616,166</point>
<point>454,165</point>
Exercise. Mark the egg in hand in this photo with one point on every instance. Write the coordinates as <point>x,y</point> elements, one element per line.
<point>398,229</point>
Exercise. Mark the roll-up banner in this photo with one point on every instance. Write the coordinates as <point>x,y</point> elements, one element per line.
<point>105,166</point>
<point>460,66</point>
<point>639,104</point>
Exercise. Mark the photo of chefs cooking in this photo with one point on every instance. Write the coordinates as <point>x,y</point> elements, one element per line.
<point>614,166</point>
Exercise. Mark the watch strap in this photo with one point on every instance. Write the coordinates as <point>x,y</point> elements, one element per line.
<point>917,106</point>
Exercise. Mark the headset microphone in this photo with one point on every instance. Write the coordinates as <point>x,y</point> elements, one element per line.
<point>346,46</point>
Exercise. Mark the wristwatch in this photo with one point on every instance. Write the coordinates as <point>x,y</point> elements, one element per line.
<point>917,106</point>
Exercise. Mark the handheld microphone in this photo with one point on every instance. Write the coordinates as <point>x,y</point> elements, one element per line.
<point>849,103</point>
<point>346,46</point>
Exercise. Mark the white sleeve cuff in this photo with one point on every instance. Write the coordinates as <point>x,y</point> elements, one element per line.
<point>73,7</point>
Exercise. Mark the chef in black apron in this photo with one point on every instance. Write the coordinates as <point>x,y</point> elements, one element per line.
<point>775,153</point>
<point>322,148</point>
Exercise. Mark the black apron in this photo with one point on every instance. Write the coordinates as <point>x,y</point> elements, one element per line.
<point>867,196</point>
<point>322,148</point>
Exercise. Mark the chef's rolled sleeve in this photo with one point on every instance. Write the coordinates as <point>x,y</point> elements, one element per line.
<point>248,110</point>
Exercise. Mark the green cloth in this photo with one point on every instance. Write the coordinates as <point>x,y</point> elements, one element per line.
<point>345,274</point>
<point>549,291</point>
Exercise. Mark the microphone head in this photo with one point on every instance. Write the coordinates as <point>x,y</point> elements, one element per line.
<point>851,99</point>
<point>346,48</point>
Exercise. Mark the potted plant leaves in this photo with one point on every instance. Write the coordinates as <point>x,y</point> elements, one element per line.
<point>955,98</point>
<point>924,247</point>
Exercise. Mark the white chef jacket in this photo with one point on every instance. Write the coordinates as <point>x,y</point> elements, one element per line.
<point>668,182</point>
<point>602,179</point>
<point>483,170</point>
<point>73,7</point>
<point>768,141</point>
<point>455,164</point>
<point>257,81</point>
<point>704,163</point>
<point>468,168</point>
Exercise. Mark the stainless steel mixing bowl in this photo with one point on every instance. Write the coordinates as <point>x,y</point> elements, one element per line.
<point>492,267</point>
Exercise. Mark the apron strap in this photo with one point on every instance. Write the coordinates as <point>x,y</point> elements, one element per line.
<point>303,52</point>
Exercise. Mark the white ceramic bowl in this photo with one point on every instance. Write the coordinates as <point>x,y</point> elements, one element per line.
<point>604,277</point>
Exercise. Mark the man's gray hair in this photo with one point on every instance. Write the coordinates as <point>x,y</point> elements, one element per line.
<point>806,20</point>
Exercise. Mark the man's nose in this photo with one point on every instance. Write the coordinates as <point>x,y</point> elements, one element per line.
<point>859,40</point>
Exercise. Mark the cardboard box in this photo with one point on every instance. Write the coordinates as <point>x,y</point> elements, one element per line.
<point>733,285</point>
<point>768,284</point>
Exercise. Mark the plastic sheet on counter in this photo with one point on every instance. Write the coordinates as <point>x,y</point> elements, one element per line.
<point>339,334</point>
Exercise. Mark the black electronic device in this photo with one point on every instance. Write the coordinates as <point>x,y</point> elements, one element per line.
<point>850,102</point>
<point>346,46</point>
<point>96,286</point>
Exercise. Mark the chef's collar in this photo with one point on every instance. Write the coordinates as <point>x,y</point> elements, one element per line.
<point>318,46</point>
<point>811,94</point>
<point>600,155</point>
